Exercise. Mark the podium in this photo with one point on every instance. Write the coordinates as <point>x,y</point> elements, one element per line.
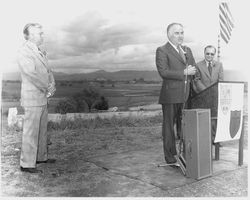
<point>196,131</point>
<point>224,94</point>
<point>207,99</point>
<point>223,102</point>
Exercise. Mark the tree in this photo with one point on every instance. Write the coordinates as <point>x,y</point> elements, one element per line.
<point>100,104</point>
<point>83,101</point>
<point>66,106</point>
<point>89,95</point>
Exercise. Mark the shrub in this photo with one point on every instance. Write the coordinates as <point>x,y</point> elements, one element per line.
<point>66,106</point>
<point>87,96</point>
<point>100,104</point>
<point>83,102</point>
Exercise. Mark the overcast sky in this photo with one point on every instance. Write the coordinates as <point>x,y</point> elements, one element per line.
<point>88,35</point>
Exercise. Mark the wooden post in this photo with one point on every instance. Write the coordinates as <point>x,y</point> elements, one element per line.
<point>241,143</point>
<point>217,151</point>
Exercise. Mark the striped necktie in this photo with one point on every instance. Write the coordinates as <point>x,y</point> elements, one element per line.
<point>210,68</point>
<point>40,52</point>
<point>181,53</point>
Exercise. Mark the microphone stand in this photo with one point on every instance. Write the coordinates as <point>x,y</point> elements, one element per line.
<point>180,159</point>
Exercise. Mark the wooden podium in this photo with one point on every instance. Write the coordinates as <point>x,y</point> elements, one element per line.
<point>196,131</point>
<point>208,99</point>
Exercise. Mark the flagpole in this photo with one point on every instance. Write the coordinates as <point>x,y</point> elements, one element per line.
<point>218,54</point>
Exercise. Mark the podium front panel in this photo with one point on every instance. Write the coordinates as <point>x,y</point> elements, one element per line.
<point>197,136</point>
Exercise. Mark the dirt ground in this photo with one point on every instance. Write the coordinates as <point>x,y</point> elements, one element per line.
<point>74,174</point>
<point>72,149</point>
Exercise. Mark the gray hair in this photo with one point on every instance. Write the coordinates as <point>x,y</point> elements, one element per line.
<point>26,29</point>
<point>171,25</point>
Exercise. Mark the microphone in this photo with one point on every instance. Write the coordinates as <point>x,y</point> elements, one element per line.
<point>185,54</point>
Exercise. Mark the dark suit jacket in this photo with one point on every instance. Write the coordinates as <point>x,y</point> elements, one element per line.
<point>171,67</point>
<point>205,78</point>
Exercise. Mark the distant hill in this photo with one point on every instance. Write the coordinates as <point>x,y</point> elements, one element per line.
<point>12,76</point>
<point>101,74</point>
<point>229,75</point>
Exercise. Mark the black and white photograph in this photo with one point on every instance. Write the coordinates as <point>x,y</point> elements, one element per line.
<point>115,98</point>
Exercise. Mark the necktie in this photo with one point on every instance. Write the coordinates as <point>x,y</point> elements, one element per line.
<point>181,53</point>
<point>210,68</point>
<point>40,52</point>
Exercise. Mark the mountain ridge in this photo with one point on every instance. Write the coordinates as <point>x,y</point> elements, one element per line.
<point>122,75</point>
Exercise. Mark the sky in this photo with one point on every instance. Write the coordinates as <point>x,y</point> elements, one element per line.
<point>88,35</point>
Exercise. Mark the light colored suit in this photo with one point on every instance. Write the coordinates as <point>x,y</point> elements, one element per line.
<point>205,78</point>
<point>36,77</point>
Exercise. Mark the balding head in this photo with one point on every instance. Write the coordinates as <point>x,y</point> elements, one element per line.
<point>175,33</point>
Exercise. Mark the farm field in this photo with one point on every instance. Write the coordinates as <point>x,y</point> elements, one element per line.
<point>121,95</point>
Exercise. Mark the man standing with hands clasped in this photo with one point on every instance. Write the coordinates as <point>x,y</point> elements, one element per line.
<point>175,64</point>
<point>210,72</point>
<point>37,85</point>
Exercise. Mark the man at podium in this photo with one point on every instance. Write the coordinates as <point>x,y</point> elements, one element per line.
<point>175,64</point>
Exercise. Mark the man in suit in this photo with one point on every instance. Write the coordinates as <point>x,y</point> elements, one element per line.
<point>37,85</point>
<point>175,64</point>
<point>210,72</point>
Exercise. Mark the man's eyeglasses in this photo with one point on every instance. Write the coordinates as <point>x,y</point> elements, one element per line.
<point>212,54</point>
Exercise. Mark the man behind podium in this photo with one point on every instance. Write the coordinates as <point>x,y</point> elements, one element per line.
<point>175,64</point>
<point>210,72</point>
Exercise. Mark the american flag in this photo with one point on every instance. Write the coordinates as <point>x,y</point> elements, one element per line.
<point>226,22</point>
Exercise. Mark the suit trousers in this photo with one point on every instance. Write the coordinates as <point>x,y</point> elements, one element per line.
<point>171,115</point>
<point>34,139</point>
<point>213,129</point>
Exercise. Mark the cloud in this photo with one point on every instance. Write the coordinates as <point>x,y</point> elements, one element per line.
<point>91,33</point>
<point>93,42</point>
<point>128,57</point>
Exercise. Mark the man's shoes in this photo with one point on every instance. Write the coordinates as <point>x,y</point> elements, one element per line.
<point>31,170</point>
<point>49,142</point>
<point>51,161</point>
<point>219,144</point>
<point>171,160</point>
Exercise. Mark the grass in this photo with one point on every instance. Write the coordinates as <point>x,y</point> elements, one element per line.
<point>75,145</point>
<point>98,122</point>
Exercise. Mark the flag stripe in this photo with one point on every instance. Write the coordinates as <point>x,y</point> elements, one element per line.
<point>226,22</point>
<point>226,26</point>
<point>225,16</point>
<point>223,37</point>
<point>227,8</point>
<point>224,31</point>
<point>230,14</point>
